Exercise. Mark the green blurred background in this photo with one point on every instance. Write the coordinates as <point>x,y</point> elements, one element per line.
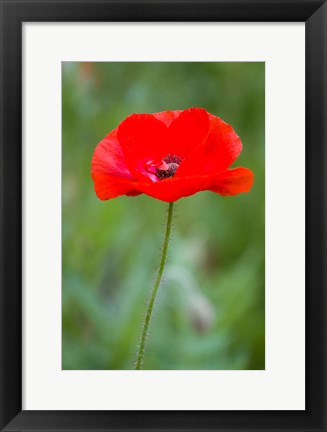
<point>210,311</point>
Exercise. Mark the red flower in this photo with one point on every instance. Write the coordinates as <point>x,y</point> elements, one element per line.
<point>169,155</point>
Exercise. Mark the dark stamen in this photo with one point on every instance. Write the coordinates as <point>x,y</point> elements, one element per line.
<point>172,159</point>
<point>173,163</point>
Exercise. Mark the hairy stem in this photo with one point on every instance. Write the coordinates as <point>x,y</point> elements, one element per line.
<point>155,289</point>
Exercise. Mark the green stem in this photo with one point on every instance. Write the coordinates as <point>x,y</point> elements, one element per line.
<point>155,288</point>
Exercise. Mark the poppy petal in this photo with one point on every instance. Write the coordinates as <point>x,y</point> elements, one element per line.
<point>173,189</point>
<point>187,131</point>
<point>107,186</point>
<point>232,182</point>
<point>108,157</point>
<point>143,138</point>
<point>167,116</point>
<point>218,151</point>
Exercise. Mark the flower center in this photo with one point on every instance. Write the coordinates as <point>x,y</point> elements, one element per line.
<point>165,168</point>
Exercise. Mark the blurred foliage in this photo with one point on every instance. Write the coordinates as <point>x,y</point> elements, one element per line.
<point>209,312</point>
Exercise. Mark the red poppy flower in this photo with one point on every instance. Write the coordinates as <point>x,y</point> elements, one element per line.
<point>169,155</point>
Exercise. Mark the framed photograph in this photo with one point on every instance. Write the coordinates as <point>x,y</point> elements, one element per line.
<point>163,208</point>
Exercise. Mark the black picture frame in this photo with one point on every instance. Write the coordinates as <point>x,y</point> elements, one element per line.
<point>16,12</point>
